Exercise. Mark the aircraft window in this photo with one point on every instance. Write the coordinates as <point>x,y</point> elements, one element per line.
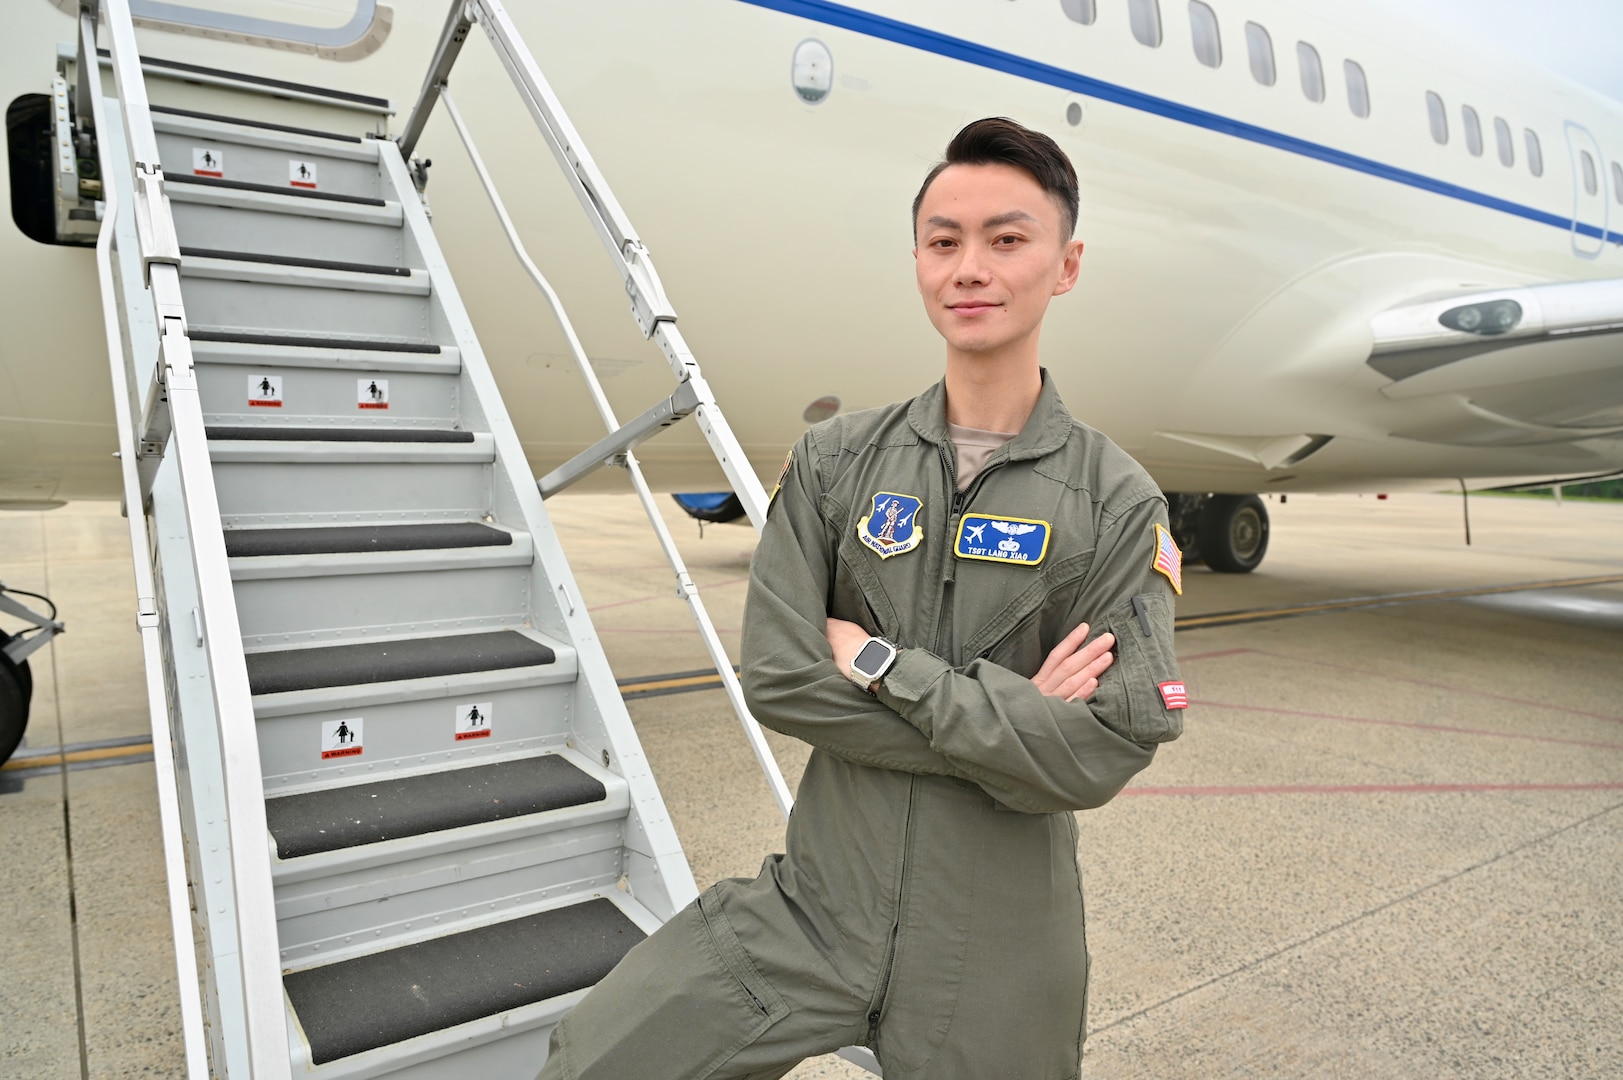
<point>1439,118</point>
<point>1473,130</point>
<point>1145,17</point>
<point>1082,11</point>
<point>1312,71</point>
<point>1617,182</point>
<point>1535,153</point>
<point>1591,181</point>
<point>1261,48</point>
<point>1208,43</point>
<point>1357,88</point>
<point>1507,145</point>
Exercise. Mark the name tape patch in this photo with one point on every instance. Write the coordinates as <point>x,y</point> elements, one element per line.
<point>892,525</point>
<point>1002,539</point>
<point>1174,695</point>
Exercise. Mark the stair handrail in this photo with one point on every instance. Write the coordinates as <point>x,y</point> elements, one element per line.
<point>650,307</point>
<point>686,587</point>
<point>171,421</point>
<point>146,608</point>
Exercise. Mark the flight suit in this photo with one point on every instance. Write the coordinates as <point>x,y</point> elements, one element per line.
<point>929,904</point>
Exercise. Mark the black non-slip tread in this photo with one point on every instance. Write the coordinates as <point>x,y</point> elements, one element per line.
<point>343,539</point>
<point>367,662</point>
<point>333,434</point>
<point>272,189</point>
<point>346,817</point>
<point>295,260</point>
<point>261,80</point>
<point>385,998</point>
<point>262,125</point>
<point>311,341</point>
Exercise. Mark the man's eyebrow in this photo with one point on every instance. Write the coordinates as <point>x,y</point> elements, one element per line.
<point>1006,219</point>
<point>943,222</point>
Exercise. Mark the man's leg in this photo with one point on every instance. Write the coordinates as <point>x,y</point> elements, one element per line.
<point>691,1003</point>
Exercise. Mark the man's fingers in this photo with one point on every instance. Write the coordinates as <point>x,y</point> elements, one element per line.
<point>1061,653</point>
<point>1073,687</point>
<point>1084,691</point>
<point>1082,658</point>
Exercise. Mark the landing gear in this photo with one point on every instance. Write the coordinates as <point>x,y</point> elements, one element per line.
<point>1228,532</point>
<point>1233,533</point>
<point>16,681</point>
<point>16,688</point>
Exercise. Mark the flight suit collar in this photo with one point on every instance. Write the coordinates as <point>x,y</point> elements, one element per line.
<point>1046,429</point>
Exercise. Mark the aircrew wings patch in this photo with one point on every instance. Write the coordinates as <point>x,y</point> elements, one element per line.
<point>1168,559</point>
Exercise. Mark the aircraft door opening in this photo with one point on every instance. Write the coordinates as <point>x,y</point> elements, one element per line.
<point>1589,205</point>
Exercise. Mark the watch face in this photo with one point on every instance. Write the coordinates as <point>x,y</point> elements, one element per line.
<point>872,656</point>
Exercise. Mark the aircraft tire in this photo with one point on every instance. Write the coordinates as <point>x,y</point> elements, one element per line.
<point>1233,533</point>
<point>16,687</point>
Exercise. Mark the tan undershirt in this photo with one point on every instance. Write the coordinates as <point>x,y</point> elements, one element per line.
<point>974,448</point>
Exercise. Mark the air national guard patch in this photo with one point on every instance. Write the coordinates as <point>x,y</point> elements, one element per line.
<point>1002,539</point>
<point>892,527</point>
<point>1168,559</point>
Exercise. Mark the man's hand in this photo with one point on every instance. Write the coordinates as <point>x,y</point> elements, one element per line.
<point>846,639</point>
<point>1072,671</point>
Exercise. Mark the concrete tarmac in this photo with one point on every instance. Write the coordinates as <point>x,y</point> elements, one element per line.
<point>1390,843</point>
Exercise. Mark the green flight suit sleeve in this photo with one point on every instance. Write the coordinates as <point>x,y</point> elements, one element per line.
<point>1042,754</point>
<point>788,674</point>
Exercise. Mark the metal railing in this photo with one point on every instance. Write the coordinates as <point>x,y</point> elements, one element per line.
<point>649,306</point>
<point>168,420</point>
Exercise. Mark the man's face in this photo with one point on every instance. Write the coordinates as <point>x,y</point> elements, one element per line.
<point>991,252</point>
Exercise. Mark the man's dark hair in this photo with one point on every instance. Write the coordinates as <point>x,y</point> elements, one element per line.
<point>997,140</point>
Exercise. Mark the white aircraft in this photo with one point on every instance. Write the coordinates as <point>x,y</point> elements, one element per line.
<point>1327,248</point>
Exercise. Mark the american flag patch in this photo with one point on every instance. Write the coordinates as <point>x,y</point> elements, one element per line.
<point>1168,560</point>
<point>1173,695</point>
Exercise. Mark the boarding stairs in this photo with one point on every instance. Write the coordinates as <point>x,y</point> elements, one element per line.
<point>406,815</point>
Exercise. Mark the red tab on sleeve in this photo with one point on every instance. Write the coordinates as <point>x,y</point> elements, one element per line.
<point>1174,695</point>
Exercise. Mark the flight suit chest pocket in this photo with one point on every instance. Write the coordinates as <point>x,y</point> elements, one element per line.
<point>1019,635</point>
<point>857,594</point>
<point>1141,696</point>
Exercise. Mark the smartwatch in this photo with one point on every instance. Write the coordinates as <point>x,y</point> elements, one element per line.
<point>872,661</point>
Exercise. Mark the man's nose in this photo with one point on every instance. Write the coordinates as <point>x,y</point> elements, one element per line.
<point>971,269</point>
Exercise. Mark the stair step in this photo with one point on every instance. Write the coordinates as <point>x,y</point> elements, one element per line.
<point>294,260</point>
<point>345,817</point>
<point>448,361</point>
<point>270,189</point>
<point>480,450</point>
<point>179,130</point>
<point>260,125</point>
<point>269,200</point>
<point>268,433</point>
<point>353,1006</point>
<point>260,272</point>
<point>283,670</point>
<point>255,543</point>
<point>311,341</point>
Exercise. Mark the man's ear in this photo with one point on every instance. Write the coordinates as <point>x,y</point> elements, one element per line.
<point>1070,266</point>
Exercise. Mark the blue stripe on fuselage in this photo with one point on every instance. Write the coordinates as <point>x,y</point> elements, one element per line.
<point>877,26</point>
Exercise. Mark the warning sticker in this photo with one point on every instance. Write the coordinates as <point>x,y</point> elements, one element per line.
<point>341,738</point>
<point>301,173</point>
<point>265,391</point>
<point>372,393</point>
<point>473,720</point>
<point>207,161</point>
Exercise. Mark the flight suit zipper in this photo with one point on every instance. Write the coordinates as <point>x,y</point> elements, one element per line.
<point>949,570</point>
<point>882,990</point>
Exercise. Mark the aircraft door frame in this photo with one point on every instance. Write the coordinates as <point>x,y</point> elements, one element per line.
<point>1591,210</point>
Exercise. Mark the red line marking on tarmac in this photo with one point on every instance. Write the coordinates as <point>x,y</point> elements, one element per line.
<point>1441,686</point>
<point>1369,789</point>
<point>1417,726</point>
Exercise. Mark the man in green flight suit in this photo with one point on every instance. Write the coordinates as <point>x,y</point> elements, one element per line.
<point>963,602</point>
